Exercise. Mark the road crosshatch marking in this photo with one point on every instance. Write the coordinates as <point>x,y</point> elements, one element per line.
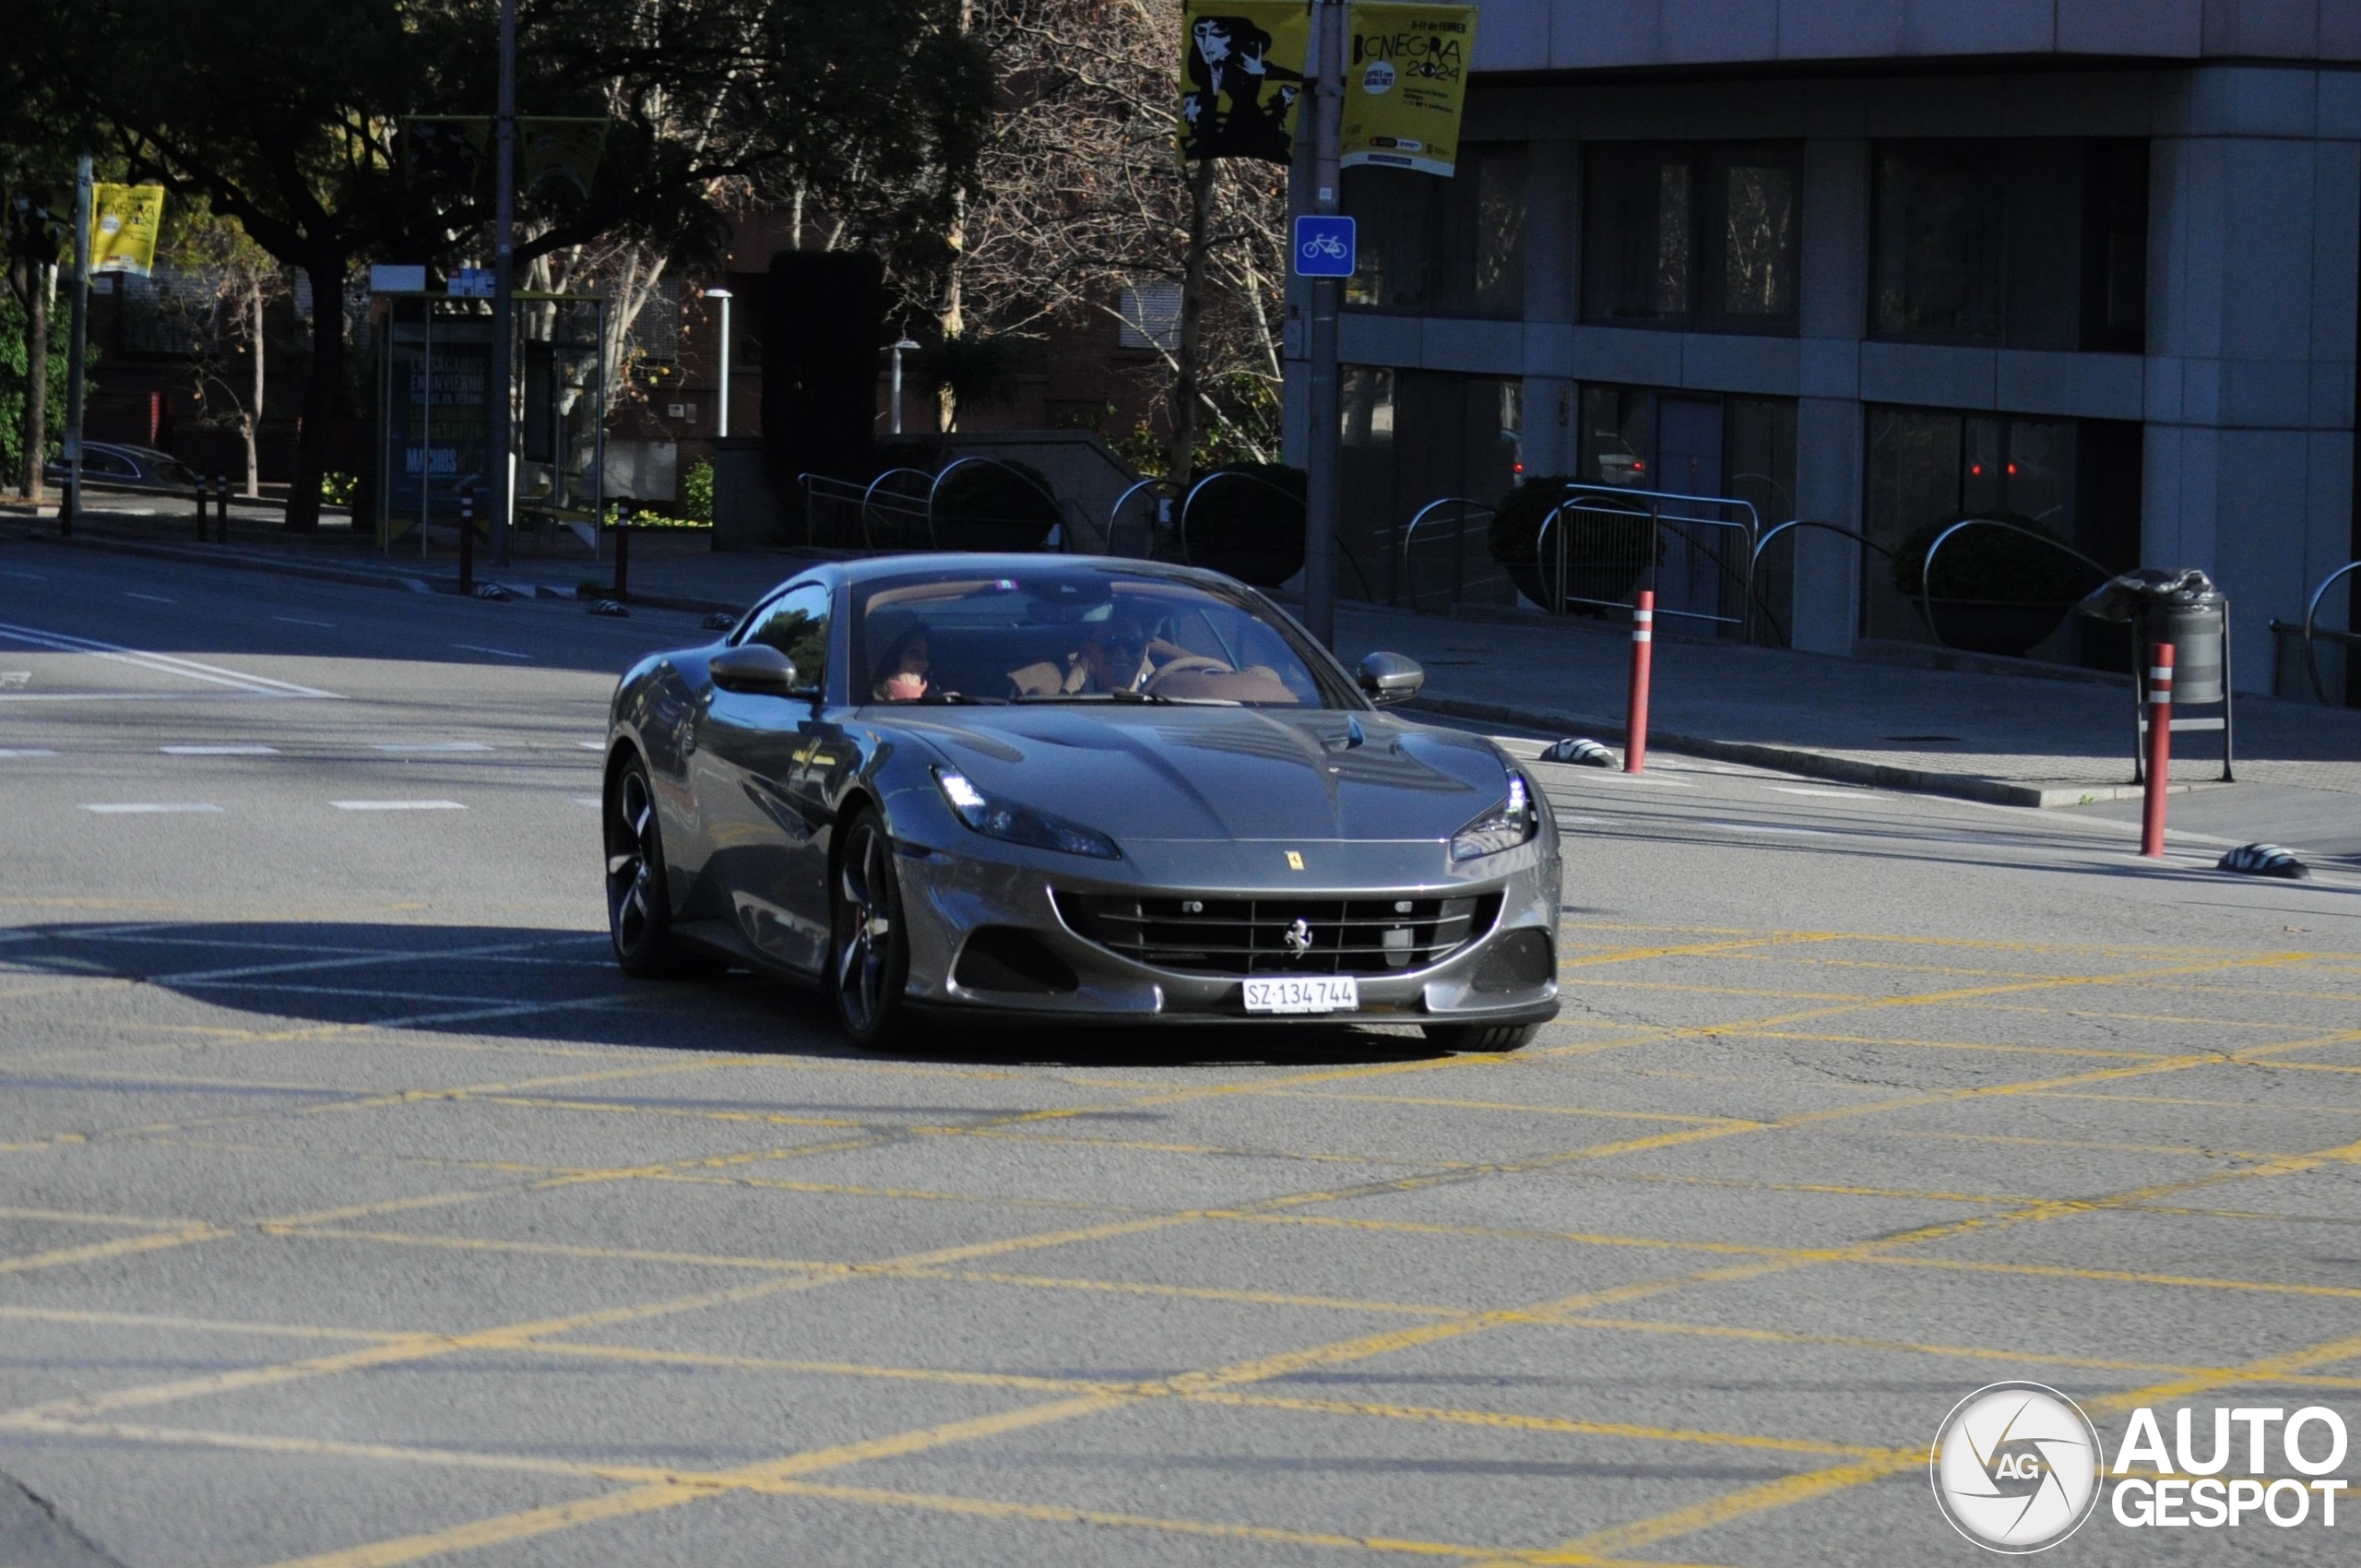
<point>1602,1118</point>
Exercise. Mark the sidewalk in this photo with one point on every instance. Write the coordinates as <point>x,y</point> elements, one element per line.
<point>2001,738</point>
<point>2006,739</point>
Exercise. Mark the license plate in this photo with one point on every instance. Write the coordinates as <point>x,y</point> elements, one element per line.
<point>1308,993</point>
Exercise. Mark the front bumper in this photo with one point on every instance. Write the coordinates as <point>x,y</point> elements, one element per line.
<point>946,897</point>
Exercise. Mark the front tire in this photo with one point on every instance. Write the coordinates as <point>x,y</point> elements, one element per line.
<point>639,901</point>
<point>869,959</point>
<point>1477,1037</point>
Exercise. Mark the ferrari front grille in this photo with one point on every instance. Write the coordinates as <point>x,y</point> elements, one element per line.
<point>1280,937</point>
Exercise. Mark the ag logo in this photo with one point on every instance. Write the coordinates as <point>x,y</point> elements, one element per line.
<point>2015,1468</point>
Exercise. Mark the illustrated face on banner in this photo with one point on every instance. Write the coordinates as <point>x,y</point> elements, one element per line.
<point>1242,77</point>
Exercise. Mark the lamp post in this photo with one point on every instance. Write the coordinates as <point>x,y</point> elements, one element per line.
<point>721,397</point>
<point>903,347</point>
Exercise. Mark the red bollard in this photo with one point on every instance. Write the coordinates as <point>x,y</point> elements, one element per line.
<point>2160,749</point>
<point>1635,728</point>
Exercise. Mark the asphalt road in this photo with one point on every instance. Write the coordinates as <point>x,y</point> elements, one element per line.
<point>354,1210</point>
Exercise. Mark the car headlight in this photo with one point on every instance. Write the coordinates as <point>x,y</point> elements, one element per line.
<point>1514,822</point>
<point>1020,824</point>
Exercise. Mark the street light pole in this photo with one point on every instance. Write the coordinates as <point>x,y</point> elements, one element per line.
<point>721,394</point>
<point>79,340</point>
<point>900,348</point>
<point>1320,475</point>
<point>504,289</point>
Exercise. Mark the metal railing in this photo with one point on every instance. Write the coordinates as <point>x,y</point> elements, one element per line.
<point>894,513</point>
<point>1620,539</point>
<point>1406,579</point>
<point>1344,550</point>
<point>1784,635</point>
<point>1926,566</point>
<point>2313,633</point>
<point>1115,538</point>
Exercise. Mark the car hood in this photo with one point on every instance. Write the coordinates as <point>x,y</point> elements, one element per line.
<point>1221,773</point>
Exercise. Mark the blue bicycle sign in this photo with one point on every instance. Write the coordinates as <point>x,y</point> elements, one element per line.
<point>1324,247</point>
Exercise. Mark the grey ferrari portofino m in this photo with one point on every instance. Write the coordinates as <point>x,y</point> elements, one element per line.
<point>1053,788</point>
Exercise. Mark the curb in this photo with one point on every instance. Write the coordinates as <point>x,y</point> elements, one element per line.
<point>352,576</point>
<point>1811,764</point>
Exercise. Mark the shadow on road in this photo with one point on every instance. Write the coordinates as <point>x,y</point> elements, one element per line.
<point>280,980</point>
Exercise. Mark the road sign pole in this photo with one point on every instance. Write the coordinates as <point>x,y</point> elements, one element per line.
<point>504,290</point>
<point>79,338</point>
<point>1319,475</point>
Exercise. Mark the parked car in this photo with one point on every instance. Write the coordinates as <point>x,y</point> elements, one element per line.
<point>122,467</point>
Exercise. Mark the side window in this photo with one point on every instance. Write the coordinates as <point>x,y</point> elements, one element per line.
<point>797,625</point>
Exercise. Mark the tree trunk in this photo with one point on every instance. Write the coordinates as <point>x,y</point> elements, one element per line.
<point>1189,350</point>
<point>36,489</point>
<point>254,407</point>
<point>326,273</point>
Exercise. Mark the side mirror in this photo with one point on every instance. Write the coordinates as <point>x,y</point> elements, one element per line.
<point>756,669</point>
<point>1390,678</point>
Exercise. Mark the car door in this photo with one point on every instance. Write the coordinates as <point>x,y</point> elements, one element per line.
<point>750,749</point>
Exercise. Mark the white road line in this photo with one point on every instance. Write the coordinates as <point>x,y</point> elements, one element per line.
<point>593,801</point>
<point>397,805</point>
<point>26,751</point>
<point>151,598</point>
<point>398,746</point>
<point>592,746</point>
<point>219,751</point>
<point>163,663</point>
<point>1766,827</point>
<point>504,653</point>
<point>299,620</point>
<point>29,576</point>
<point>1832,794</point>
<point>149,808</point>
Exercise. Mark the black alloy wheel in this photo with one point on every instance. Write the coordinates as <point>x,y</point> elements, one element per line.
<point>869,956</point>
<point>1480,1036</point>
<point>639,908</point>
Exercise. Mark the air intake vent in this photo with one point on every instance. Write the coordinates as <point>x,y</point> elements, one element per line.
<point>1280,936</point>
<point>1003,958</point>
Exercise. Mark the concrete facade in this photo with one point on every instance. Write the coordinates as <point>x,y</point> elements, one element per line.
<point>2252,116</point>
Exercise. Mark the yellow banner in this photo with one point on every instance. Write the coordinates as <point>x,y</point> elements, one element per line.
<point>124,221</point>
<point>1406,82</point>
<point>1241,74</point>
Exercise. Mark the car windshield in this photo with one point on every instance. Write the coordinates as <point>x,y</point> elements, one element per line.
<point>1075,634</point>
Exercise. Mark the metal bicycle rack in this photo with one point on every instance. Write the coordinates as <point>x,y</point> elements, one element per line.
<point>944,472</point>
<point>1596,535</point>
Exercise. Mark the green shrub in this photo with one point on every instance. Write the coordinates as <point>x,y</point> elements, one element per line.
<point>697,490</point>
<point>339,488</point>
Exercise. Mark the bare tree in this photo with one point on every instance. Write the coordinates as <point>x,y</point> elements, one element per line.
<point>231,282</point>
<point>1082,202</point>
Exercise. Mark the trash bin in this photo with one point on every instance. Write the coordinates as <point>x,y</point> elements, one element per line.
<point>2181,608</point>
<point>2185,609</point>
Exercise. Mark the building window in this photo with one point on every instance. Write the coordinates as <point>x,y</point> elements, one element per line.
<point>1699,236</point>
<point>1448,247</point>
<point>1151,312</point>
<point>2078,480</point>
<point>2025,245</point>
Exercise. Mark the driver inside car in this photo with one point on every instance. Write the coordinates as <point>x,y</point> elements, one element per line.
<point>1117,655</point>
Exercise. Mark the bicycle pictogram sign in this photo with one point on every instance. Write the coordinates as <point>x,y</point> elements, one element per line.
<point>1323,246</point>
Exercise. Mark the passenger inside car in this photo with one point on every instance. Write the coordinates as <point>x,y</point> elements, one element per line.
<point>902,674</point>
